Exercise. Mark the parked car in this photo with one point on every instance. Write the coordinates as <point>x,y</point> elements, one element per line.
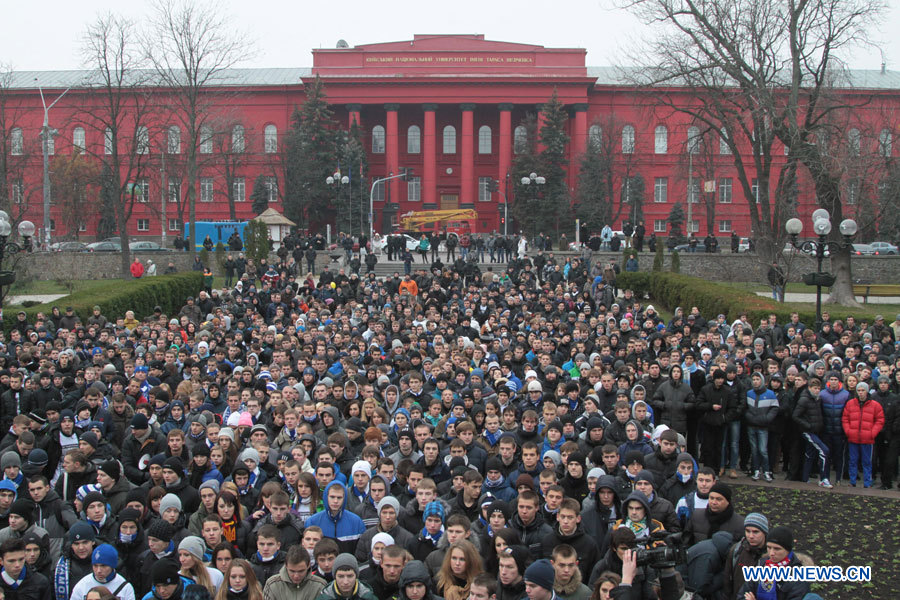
<point>412,244</point>
<point>743,245</point>
<point>146,247</point>
<point>701,247</point>
<point>68,247</point>
<point>864,250</point>
<point>884,248</point>
<point>104,246</point>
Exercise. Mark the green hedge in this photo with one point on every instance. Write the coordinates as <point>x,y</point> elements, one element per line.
<point>117,296</point>
<point>673,290</point>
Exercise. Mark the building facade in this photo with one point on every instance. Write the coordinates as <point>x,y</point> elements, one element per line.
<point>450,107</point>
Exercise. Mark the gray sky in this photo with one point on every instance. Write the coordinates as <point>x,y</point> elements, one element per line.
<point>284,32</point>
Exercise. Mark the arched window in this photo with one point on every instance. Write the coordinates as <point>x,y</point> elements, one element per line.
<point>108,141</point>
<point>595,137</point>
<point>270,139</point>
<point>206,139</point>
<point>413,140</point>
<point>628,139</point>
<point>723,142</point>
<point>449,139</point>
<point>378,140</point>
<point>693,140</point>
<point>484,140</point>
<point>661,139</point>
<point>520,140</point>
<point>237,139</point>
<point>16,142</point>
<point>78,143</point>
<point>174,139</point>
<point>142,140</point>
<point>853,141</point>
<point>884,143</point>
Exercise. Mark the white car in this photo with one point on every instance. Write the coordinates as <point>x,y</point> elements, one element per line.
<point>884,248</point>
<point>412,244</point>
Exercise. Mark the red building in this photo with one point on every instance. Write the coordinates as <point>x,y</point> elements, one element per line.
<point>448,106</point>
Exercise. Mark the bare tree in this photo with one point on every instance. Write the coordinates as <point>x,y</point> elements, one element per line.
<point>75,189</point>
<point>15,152</point>
<point>765,70</point>
<point>191,47</point>
<point>118,108</point>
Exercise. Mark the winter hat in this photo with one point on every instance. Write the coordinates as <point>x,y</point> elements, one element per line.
<point>93,497</point>
<point>169,501</point>
<point>596,472</point>
<point>81,531</point>
<point>578,457</point>
<point>227,432</point>
<point>414,572</point>
<point>384,538</point>
<point>345,561</point>
<point>783,536</point>
<point>194,545</point>
<point>212,484</point>
<point>722,489</point>
<point>9,486</point>
<point>91,438</point>
<point>389,501</point>
<point>111,468</point>
<point>38,458</point>
<point>646,475</point>
<point>130,514</point>
<point>757,520</point>
<point>541,573</point>
<point>362,466</point>
<point>234,420</point>
<point>139,421</point>
<point>10,459</point>
<point>23,507</point>
<point>165,572</point>
<point>493,464</point>
<point>501,507</point>
<point>634,456</point>
<point>520,554</point>
<point>105,554</point>
<point>434,509</point>
<point>137,495</point>
<point>250,454</point>
<point>684,457</point>
<point>200,449</point>
<point>554,456</point>
<point>525,479</point>
<point>161,530</point>
<point>84,490</point>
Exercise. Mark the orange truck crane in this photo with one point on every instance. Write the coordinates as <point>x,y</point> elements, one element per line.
<point>456,221</point>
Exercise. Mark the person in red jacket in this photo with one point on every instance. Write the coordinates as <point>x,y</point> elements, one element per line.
<point>137,269</point>
<point>863,420</point>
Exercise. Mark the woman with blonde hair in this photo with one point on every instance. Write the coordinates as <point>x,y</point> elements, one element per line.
<point>190,555</point>
<point>461,565</point>
<point>240,583</point>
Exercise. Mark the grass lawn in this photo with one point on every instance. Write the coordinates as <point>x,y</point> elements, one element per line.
<point>835,529</point>
<point>53,286</point>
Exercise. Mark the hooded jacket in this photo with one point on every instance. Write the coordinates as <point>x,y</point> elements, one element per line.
<point>833,403</point>
<point>532,535</point>
<point>280,587</point>
<point>808,413</point>
<point>596,519</point>
<point>863,420</point>
<point>672,402</point>
<point>345,527</point>
<point>416,572</point>
<point>56,517</point>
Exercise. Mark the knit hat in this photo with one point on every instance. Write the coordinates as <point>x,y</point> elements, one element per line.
<point>174,463</point>
<point>250,454</point>
<point>92,498</point>
<point>520,554</point>
<point>684,457</point>
<point>362,466</point>
<point>227,432</point>
<point>783,536</point>
<point>434,509</point>
<point>501,507</point>
<point>111,468</point>
<point>541,573</point>
<point>10,459</point>
<point>493,464</point>
<point>634,456</point>
<point>345,561</point>
<point>91,438</point>
<point>23,507</point>
<point>137,495</point>
<point>722,489</point>
<point>165,572</point>
<point>161,530</point>
<point>81,531</point>
<point>646,475</point>
<point>9,486</point>
<point>194,545</point>
<point>169,501</point>
<point>82,492</point>
<point>212,484</point>
<point>384,538</point>
<point>525,479</point>
<point>139,421</point>
<point>554,456</point>
<point>105,554</point>
<point>596,473</point>
<point>200,449</point>
<point>389,501</point>
<point>757,520</point>
<point>130,514</point>
<point>38,457</point>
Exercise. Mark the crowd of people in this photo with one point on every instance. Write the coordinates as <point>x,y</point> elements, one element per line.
<point>444,437</point>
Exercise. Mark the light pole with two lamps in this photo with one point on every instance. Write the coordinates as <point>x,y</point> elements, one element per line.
<point>532,182</point>
<point>47,134</point>
<point>26,231</point>
<point>820,248</point>
<point>337,181</point>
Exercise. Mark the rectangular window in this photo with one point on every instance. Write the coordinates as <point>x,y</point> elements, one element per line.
<point>18,191</point>
<point>725,190</point>
<point>693,192</point>
<point>659,225</point>
<point>378,192</point>
<point>725,226</point>
<point>484,189</point>
<point>82,227</point>
<point>754,190</point>
<point>174,225</point>
<point>174,191</point>
<point>206,189</point>
<point>78,139</point>
<point>661,190</point>
<point>271,189</point>
<point>108,142</point>
<point>142,190</point>
<point>414,189</point>
<point>143,224</point>
<point>238,189</point>
<point>205,140</point>
<point>694,226</point>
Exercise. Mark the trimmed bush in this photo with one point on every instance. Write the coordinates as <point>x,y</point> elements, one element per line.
<point>659,260</point>
<point>675,267</point>
<point>117,296</point>
<point>675,289</point>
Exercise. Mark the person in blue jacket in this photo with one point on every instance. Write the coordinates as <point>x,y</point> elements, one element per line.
<point>336,521</point>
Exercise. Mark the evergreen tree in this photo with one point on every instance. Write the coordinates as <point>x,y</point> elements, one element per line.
<point>353,205</point>
<point>594,205</point>
<point>311,152</point>
<point>556,205</point>
<point>260,196</point>
<point>676,220</point>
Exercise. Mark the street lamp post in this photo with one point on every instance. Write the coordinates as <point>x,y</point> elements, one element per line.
<point>532,182</point>
<point>47,133</point>
<point>404,173</point>
<point>26,230</point>
<point>820,248</point>
<point>337,181</point>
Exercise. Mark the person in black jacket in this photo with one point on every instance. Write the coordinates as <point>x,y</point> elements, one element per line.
<point>139,447</point>
<point>569,530</point>
<point>808,417</point>
<point>716,405</point>
<point>19,583</point>
<point>600,510</point>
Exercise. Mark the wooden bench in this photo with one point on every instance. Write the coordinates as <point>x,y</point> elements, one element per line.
<point>875,289</point>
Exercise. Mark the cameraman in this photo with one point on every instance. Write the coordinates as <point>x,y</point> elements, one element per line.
<point>638,582</point>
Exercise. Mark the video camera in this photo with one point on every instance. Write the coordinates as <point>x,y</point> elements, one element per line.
<point>673,552</point>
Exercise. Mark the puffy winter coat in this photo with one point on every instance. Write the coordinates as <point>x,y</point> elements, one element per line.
<point>762,407</point>
<point>808,413</point>
<point>862,421</point>
<point>344,527</point>
<point>710,396</point>
<point>833,403</point>
<point>673,402</point>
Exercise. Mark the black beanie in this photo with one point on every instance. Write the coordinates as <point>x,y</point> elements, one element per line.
<point>782,536</point>
<point>24,508</point>
<point>723,489</point>
<point>137,495</point>
<point>111,468</point>
<point>161,530</point>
